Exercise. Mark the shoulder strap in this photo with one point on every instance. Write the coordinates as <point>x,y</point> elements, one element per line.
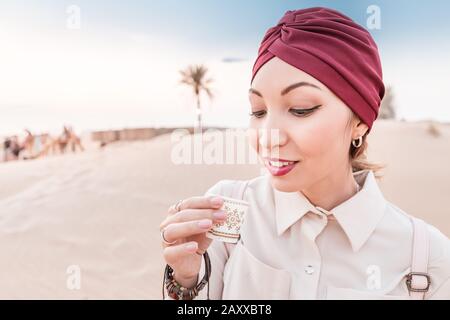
<point>418,280</point>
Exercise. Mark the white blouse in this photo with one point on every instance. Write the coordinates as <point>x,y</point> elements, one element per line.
<point>291,249</point>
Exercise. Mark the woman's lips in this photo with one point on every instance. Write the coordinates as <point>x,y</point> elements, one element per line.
<point>279,168</point>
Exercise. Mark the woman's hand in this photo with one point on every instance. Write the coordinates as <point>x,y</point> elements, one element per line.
<point>188,228</point>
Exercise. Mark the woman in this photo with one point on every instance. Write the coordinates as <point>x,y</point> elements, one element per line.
<point>318,226</point>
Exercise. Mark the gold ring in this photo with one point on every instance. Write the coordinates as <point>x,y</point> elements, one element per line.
<point>164,239</point>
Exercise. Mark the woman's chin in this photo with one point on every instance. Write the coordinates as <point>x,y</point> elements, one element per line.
<point>284,184</point>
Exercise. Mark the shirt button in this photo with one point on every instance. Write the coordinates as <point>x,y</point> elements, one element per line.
<point>309,269</point>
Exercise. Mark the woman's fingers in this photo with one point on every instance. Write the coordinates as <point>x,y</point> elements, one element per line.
<point>172,254</point>
<point>201,202</point>
<point>194,214</point>
<point>176,231</point>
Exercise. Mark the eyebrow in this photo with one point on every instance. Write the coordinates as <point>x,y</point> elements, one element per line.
<point>287,89</point>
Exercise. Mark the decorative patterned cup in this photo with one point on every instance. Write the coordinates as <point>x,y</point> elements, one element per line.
<point>229,230</point>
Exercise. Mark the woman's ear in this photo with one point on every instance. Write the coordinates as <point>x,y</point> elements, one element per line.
<point>358,127</point>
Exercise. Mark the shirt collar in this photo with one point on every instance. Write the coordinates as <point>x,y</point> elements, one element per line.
<point>358,216</point>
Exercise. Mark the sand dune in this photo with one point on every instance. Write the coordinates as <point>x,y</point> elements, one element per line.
<point>100,210</point>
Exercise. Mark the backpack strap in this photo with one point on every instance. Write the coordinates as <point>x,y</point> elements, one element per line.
<point>418,280</point>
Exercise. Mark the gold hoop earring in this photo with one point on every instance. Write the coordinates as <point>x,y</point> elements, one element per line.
<point>359,142</point>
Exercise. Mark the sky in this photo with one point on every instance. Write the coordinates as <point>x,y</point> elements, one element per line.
<point>118,64</point>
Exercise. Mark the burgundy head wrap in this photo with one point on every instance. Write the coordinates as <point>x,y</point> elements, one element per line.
<point>335,50</point>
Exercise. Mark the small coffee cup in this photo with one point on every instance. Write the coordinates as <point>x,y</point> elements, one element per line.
<point>230,229</point>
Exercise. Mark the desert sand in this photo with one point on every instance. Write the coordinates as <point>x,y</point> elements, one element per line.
<point>99,211</point>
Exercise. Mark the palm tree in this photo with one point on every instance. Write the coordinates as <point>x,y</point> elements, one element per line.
<point>195,77</point>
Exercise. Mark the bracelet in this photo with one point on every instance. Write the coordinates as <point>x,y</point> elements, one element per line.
<point>177,291</point>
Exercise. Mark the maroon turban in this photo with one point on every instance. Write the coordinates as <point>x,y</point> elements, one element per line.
<point>335,50</point>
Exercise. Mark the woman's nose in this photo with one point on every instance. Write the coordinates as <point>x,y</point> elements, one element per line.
<point>270,138</point>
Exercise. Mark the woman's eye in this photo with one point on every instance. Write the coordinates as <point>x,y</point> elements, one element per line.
<point>303,112</point>
<point>299,112</point>
<point>296,112</point>
<point>258,114</point>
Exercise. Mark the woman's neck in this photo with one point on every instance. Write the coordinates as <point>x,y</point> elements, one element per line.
<point>329,192</point>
